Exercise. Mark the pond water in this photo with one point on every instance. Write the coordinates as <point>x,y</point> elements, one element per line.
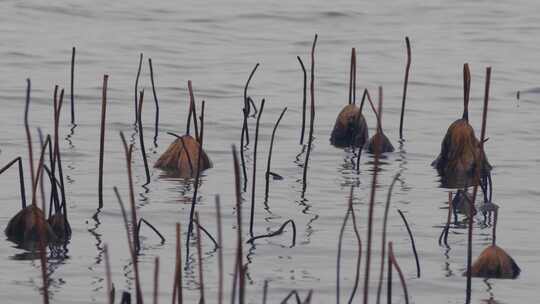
<point>216,44</point>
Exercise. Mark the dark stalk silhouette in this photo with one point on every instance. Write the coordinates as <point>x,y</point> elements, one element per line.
<point>220,253</point>
<point>192,112</point>
<point>253,182</point>
<point>479,165</point>
<point>304,100</point>
<point>156,102</point>
<point>377,149</point>
<point>268,173</point>
<point>156,279</point>
<point>245,132</point>
<point>197,180</point>
<point>200,260</point>
<point>102,140</point>
<point>141,138</point>
<point>177,296</point>
<point>280,231</point>
<point>405,83</point>
<point>136,105</point>
<point>413,245</point>
<point>443,238</point>
<point>109,289</point>
<point>128,154</point>
<point>312,115</point>
<point>72,95</point>
<point>239,268</point>
<point>383,242</point>
<point>28,133</point>
<point>395,264</point>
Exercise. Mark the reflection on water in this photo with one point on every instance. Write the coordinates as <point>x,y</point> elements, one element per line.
<point>214,45</point>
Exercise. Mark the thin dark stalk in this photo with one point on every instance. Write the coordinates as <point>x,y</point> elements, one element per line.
<point>405,83</point>
<point>216,245</point>
<point>72,86</point>
<point>137,87</point>
<point>371,207</point>
<point>141,138</point>
<point>496,215</point>
<point>126,224</point>
<point>443,238</point>
<point>364,95</point>
<point>479,168</point>
<point>142,220</point>
<point>245,131</point>
<point>359,244</point>
<point>265,291</point>
<point>192,112</point>
<point>338,266</point>
<point>220,253</point>
<point>267,174</point>
<point>41,228</point>
<point>200,260</point>
<point>383,243</point>
<point>389,282</point>
<point>239,269</point>
<point>177,285</point>
<point>195,191</point>
<point>277,232</point>
<point>41,183</point>
<point>28,133</point>
<point>108,274</point>
<point>21,178</point>
<point>412,243</point>
<point>312,116</point>
<point>156,102</point>
<point>392,258</point>
<point>156,279</point>
<point>289,295</point>
<point>352,78</point>
<point>128,153</point>
<point>102,139</point>
<point>57,153</point>
<point>253,182</point>
<point>304,100</point>
<point>466,90</point>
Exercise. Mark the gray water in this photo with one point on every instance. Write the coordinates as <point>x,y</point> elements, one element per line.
<point>215,45</point>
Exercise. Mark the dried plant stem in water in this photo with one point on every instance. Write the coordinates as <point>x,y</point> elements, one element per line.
<point>405,83</point>
<point>156,102</point>
<point>303,100</point>
<point>393,260</point>
<point>412,243</point>
<point>28,133</point>
<point>72,86</point>
<point>220,253</point>
<point>197,179</point>
<point>383,242</point>
<point>239,268</point>
<point>253,182</point>
<point>312,116</point>
<point>136,105</point>
<point>377,149</point>
<point>177,296</point>
<point>478,178</point>
<point>156,280</point>
<point>108,274</point>
<point>128,153</point>
<point>102,140</point>
<point>200,260</point>
<point>141,138</point>
<point>267,174</point>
